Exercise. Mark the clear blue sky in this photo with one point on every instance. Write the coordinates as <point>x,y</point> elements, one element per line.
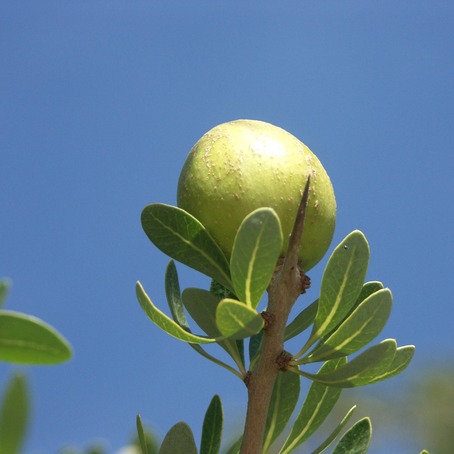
<point>100,102</point>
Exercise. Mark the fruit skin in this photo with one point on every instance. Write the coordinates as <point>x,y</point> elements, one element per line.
<point>242,165</point>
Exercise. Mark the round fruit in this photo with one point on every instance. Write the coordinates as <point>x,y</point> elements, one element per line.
<point>243,165</point>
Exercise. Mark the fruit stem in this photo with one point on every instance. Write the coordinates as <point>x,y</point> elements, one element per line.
<point>287,284</point>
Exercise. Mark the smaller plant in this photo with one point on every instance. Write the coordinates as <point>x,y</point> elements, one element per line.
<point>231,194</point>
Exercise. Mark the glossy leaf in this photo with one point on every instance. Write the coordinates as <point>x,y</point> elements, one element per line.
<point>166,323</point>
<point>319,402</point>
<point>212,428</point>
<point>362,370</point>
<point>4,287</point>
<point>400,362</point>
<point>256,249</point>
<point>333,435</point>
<point>361,327</point>
<point>179,440</point>
<point>342,282</point>
<point>28,340</point>
<point>283,400</point>
<point>235,320</point>
<point>182,237</point>
<point>14,415</point>
<point>141,433</point>
<point>356,440</point>
<point>302,321</point>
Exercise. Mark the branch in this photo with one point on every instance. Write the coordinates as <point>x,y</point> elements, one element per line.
<point>285,287</point>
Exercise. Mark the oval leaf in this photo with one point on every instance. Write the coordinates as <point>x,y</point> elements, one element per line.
<point>302,321</point>
<point>283,401</point>
<point>235,320</point>
<point>14,415</point>
<point>319,402</point>
<point>362,326</point>
<point>166,323</point>
<point>179,440</point>
<point>342,282</point>
<point>182,237</point>
<point>356,440</point>
<point>362,370</point>
<point>399,363</point>
<point>256,249</point>
<point>28,340</point>
<point>212,427</point>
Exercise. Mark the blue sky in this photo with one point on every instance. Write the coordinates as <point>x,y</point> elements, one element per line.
<point>100,102</point>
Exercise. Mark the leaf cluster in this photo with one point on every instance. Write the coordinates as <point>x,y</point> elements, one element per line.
<point>348,314</point>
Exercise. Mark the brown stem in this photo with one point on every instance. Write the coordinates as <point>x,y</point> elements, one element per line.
<point>285,287</point>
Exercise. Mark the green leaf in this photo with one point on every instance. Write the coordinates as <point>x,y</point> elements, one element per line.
<point>141,433</point>
<point>342,282</point>
<point>255,345</point>
<point>212,427</point>
<point>179,440</point>
<point>256,249</point>
<point>166,323</point>
<point>360,328</point>
<point>332,436</point>
<point>14,415</point>
<point>302,321</point>
<point>28,340</point>
<point>235,447</point>
<point>202,305</point>
<point>182,237</point>
<point>362,370</point>
<point>399,363</point>
<point>235,320</point>
<point>173,296</point>
<point>356,440</point>
<point>4,287</point>
<point>319,402</point>
<point>283,400</point>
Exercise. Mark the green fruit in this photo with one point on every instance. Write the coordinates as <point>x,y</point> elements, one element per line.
<point>243,165</point>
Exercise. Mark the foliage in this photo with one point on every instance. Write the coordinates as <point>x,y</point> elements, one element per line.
<point>25,340</point>
<point>348,315</point>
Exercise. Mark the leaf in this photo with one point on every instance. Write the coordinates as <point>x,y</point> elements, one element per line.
<point>302,321</point>
<point>14,415</point>
<point>332,436</point>
<point>4,287</point>
<point>342,282</point>
<point>361,327</point>
<point>356,440</point>
<point>235,447</point>
<point>202,305</point>
<point>399,363</point>
<point>28,340</point>
<point>362,370</point>
<point>235,320</point>
<point>173,296</point>
<point>141,433</point>
<point>164,322</point>
<point>212,427</point>
<point>179,440</point>
<point>255,345</point>
<point>283,400</point>
<point>319,402</point>
<point>256,249</point>
<point>182,237</point>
